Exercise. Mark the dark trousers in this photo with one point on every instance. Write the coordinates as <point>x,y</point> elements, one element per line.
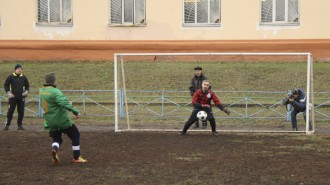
<point>193,118</point>
<point>20,110</point>
<point>294,117</point>
<point>72,132</point>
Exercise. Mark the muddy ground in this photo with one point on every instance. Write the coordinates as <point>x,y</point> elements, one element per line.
<point>167,158</point>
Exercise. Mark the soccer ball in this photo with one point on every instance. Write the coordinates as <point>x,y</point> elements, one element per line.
<point>202,115</point>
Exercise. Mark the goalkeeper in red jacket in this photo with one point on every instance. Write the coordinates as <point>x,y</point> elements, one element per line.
<point>202,101</point>
<point>56,120</point>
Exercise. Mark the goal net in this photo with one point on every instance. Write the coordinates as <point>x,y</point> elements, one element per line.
<point>152,90</point>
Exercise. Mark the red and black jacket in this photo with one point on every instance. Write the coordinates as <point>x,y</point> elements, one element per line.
<point>200,99</point>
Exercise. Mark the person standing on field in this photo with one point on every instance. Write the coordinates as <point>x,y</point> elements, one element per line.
<point>195,84</point>
<point>56,120</point>
<point>17,88</point>
<point>202,101</point>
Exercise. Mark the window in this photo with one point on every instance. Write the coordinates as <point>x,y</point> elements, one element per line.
<point>280,12</point>
<point>201,12</point>
<point>127,12</point>
<point>57,12</point>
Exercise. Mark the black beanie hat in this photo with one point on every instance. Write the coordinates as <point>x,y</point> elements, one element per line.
<point>50,78</point>
<point>198,68</point>
<point>18,66</point>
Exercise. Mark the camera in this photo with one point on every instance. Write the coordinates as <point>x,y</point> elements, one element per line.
<point>286,101</point>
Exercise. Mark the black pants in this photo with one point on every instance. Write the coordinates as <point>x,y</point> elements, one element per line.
<point>193,118</point>
<point>72,132</point>
<point>20,110</point>
<point>294,117</point>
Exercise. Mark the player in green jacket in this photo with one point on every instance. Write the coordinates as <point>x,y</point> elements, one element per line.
<point>56,120</point>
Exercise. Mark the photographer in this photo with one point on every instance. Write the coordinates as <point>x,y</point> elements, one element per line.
<point>297,99</point>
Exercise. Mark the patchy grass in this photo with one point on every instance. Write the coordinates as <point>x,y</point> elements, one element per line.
<point>276,76</point>
<point>172,75</point>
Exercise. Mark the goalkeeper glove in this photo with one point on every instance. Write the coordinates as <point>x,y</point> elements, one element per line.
<point>10,95</point>
<point>25,93</point>
<point>226,111</point>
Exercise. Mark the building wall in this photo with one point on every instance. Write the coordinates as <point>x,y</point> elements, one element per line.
<point>239,21</point>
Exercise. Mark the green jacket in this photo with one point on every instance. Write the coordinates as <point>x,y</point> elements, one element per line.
<point>55,106</point>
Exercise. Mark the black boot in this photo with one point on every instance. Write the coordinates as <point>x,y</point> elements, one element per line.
<point>204,124</point>
<point>196,124</point>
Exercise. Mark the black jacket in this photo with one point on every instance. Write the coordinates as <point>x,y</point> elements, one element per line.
<point>300,102</point>
<point>196,83</point>
<point>17,84</point>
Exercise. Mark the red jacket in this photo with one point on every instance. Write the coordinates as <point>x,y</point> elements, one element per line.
<point>205,98</point>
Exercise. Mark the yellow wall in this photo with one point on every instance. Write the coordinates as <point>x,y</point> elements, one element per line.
<point>240,21</point>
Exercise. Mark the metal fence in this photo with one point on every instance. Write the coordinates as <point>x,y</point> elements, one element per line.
<point>243,104</point>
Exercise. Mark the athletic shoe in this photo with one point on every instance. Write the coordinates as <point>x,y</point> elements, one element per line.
<point>204,125</point>
<point>196,125</point>
<point>215,133</point>
<point>79,160</point>
<point>55,158</point>
<point>20,128</point>
<point>310,127</point>
<point>182,133</point>
<point>6,128</point>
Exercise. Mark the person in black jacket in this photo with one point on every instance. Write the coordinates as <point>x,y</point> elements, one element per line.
<point>195,84</point>
<point>17,88</point>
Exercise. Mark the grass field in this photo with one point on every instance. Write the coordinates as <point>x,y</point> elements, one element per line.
<point>225,76</point>
<point>166,157</point>
<point>165,74</point>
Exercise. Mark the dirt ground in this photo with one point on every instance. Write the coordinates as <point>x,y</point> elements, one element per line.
<point>104,50</point>
<point>166,158</point>
<point>157,157</point>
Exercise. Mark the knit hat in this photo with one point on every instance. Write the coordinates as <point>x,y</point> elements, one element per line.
<point>198,68</point>
<point>18,66</point>
<point>50,78</point>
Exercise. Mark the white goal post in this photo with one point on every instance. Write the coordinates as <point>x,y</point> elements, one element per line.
<point>121,103</point>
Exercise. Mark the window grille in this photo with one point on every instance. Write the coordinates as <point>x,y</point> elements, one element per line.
<point>280,12</point>
<point>127,12</point>
<point>55,11</point>
<point>201,12</point>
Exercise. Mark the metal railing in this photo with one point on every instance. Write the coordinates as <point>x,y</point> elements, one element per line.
<point>243,104</point>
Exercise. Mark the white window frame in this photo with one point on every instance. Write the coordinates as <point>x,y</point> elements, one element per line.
<point>218,24</point>
<point>69,22</point>
<point>131,23</point>
<point>286,16</point>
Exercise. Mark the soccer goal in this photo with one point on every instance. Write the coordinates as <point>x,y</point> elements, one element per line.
<point>152,90</point>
